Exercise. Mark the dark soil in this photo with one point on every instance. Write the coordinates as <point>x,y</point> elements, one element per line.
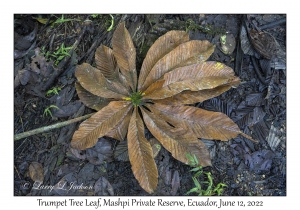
<point>257,105</point>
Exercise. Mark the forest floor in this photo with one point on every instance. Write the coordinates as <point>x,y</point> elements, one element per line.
<point>44,80</point>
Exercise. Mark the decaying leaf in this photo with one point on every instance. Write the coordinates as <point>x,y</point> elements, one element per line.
<point>22,77</point>
<point>245,42</point>
<point>101,152</point>
<point>77,153</point>
<point>121,151</point>
<point>36,172</point>
<point>174,73</point>
<point>103,187</point>
<point>273,139</point>
<point>264,43</point>
<point>35,72</point>
<point>175,182</point>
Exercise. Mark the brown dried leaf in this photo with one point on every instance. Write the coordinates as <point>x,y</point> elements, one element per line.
<point>177,128</point>
<point>206,75</point>
<point>121,151</point>
<point>90,100</point>
<point>154,86</point>
<point>162,46</point>
<point>179,147</point>
<point>93,81</point>
<point>198,71</point>
<point>119,131</point>
<point>191,84</point>
<point>36,172</point>
<point>202,123</point>
<point>185,54</point>
<point>106,63</point>
<point>141,155</point>
<point>191,97</point>
<point>264,43</point>
<point>99,124</point>
<point>125,54</point>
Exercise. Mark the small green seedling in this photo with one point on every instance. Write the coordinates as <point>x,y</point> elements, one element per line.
<point>219,188</point>
<point>54,90</point>
<point>44,53</point>
<point>63,20</point>
<point>111,23</point>
<point>60,53</point>
<point>47,111</point>
<point>210,190</point>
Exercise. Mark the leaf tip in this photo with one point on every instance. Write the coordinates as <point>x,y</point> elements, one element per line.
<point>249,137</point>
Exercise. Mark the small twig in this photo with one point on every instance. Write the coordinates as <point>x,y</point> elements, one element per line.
<point>257,71</point>
<point>51,41</point>
<point>22,123</point>
<point>50,127</point>
<point>239,54</point>
<point>17,172</point>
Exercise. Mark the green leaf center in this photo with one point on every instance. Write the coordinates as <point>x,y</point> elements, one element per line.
<point>136,98</point>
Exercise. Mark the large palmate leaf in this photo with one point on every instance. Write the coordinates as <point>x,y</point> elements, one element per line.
<point>124,52</point>
<point>185,54</point>
<point>140,154</point>
<point>99,124</point>
<point>174,73</point>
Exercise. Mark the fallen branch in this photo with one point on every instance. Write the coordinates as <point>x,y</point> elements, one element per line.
<point>50,127</point>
